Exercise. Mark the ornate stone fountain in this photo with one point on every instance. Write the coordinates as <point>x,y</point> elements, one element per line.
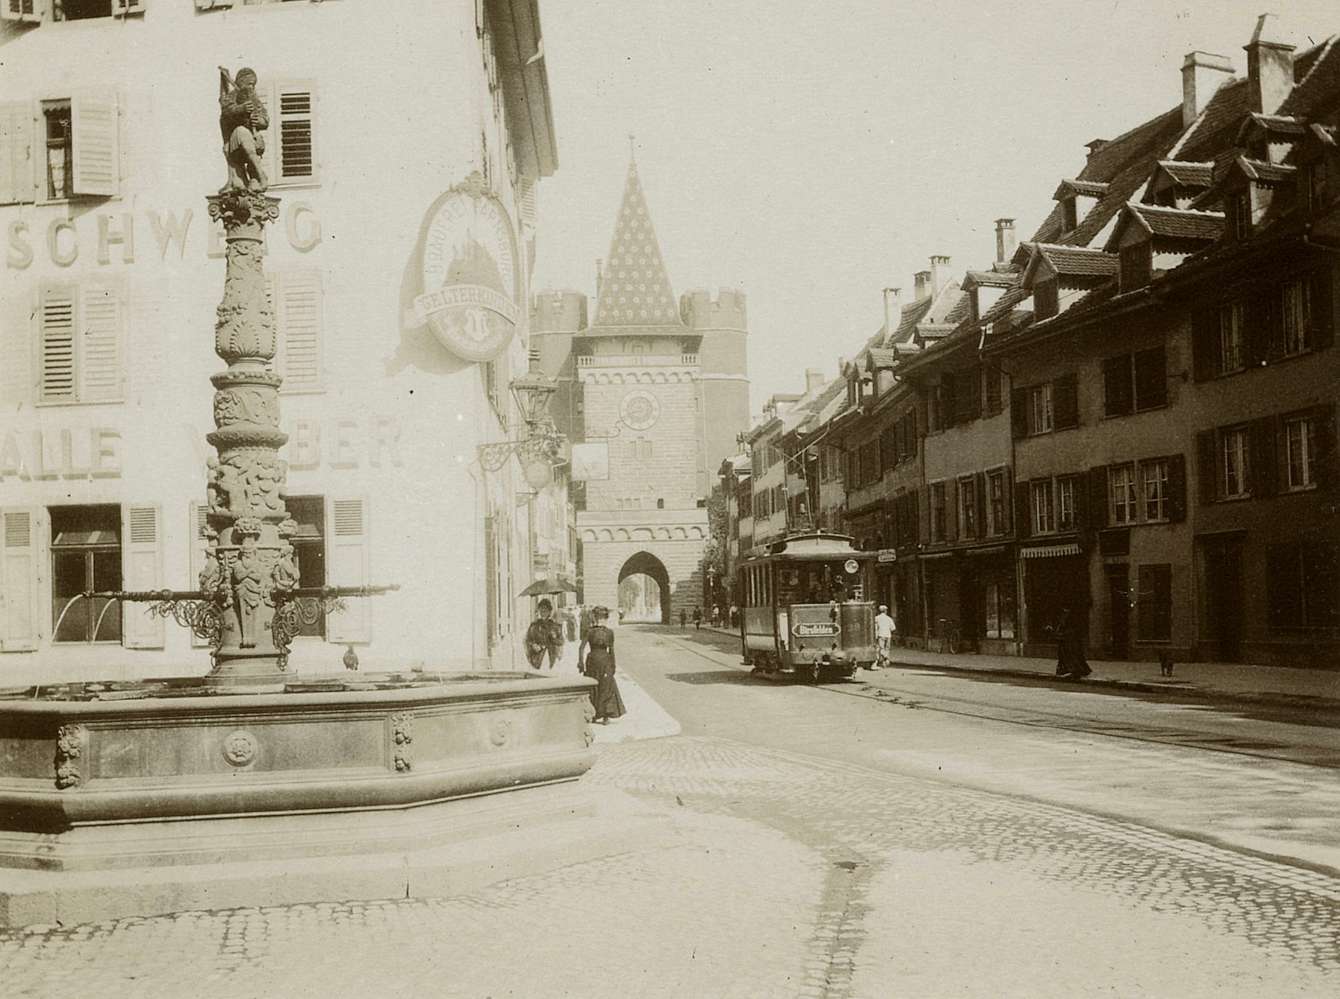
<point>250,785</point>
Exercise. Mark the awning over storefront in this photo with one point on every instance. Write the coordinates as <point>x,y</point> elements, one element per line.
<point>1050,551</point>
<point>988,550</point>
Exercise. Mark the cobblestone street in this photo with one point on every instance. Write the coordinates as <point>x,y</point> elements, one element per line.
<point>783,876</point>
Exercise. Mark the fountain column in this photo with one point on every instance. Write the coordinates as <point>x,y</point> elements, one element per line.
<point>251,564</point>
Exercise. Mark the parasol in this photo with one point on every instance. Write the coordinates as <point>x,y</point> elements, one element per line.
<point>548,585</point>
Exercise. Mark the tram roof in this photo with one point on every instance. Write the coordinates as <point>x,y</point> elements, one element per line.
<point>818,544</point>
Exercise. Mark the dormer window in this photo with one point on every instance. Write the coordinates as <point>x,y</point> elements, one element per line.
<point>1046,300</point>
<point>1240,214</point>
<point>1069,214</point>
<point>1136,266</point>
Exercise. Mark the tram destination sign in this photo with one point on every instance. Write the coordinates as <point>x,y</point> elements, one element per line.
<point>816,629</point>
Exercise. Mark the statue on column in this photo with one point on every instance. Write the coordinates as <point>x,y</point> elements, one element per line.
<point>242,120</point>
<point>250,581</point>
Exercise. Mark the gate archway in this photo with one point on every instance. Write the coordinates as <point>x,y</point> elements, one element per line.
<point>648,589</point>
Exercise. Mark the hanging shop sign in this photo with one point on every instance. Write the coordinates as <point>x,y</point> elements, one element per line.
<point>470,275</point>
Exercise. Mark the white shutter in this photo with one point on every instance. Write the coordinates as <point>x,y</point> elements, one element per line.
<point>95,133</point>
<point>347,565</point>
<point>296,297</point>
<point>199,546</point>
<point>141,569</point>
<point>16,150</point>
<point>18,580</point>
<point>56,342</point>
<point>292,125</point>
<point>31,11</point>
<point>99,364</point>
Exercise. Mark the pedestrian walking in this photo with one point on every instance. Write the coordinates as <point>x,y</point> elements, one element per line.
<point>596,660</point>
<point>716,615</point>
<point>683,619</point>
<point>544,636</point>
<point>1070,659</point>
<point>697,618</point>
<point>884,629</point>
<point>734,616</point>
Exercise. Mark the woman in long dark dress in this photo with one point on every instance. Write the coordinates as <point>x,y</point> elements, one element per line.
<point>596,659</point>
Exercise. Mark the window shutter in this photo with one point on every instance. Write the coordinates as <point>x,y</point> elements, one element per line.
<point>1065,398</point>
<point>1151,377</point>
<point>1118,395</point>
<point>1097,505</point>
<point>94,133</point>
<point>1019,413</point>
<point>99,365</point>
<point>18,580</point>
<point>212,4</point>
<point>1322,306</point>
<point>951,510</point>
<point>348,561</point>
<point>1008,500</point>
<point>979,495</point>
<point>296,298</point>
<point>141,569</point>
<point>27,11</point>
<point>1023,513</point>
<point>57,311</point>
<point>199,546</point>
<point>1261,465</point>
<point>1326,465</point>
<point>1207,467</point>
<point>1205,343</point>
<point>292,127</point>
<point>16,151</point>
<point>1176,487</point>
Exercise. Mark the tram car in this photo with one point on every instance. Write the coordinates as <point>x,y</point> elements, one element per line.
<point>807,608</point>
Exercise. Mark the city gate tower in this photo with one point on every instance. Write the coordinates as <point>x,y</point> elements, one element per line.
<point>665,384</point>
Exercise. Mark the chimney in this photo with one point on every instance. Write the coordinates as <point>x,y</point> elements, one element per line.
<point>893,314</point>
<point>814,380</point>
<point>1004,240</point>
<point>1202,75</point>
<point>1269,66</point>
<point>922,285</point>
<point>939,273</point>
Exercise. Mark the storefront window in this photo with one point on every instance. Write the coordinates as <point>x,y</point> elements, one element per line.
<point>999,610</point>
<point>85,556</point>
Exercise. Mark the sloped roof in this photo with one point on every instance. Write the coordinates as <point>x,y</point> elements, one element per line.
<point>1079,261</point>
<point>1089,188</point>
<point>1214,129</point>
<point>990,279</point>
<point>1262,170</point>
<point>1316,73</point>
<point>1123,164</point>
<point>1188,174</point>
<point>1005,303</point>
<point>1178,223</point>
<point>635,288</point>
<point>909,316</point>
<point>1277,124</point>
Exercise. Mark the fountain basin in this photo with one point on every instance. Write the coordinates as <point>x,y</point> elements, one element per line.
<point>97,779</point>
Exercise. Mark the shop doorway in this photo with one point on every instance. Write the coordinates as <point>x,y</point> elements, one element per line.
<point>1119,614</point>
<point>1223,595</point>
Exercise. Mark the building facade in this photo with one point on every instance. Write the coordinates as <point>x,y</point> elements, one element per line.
<point>111,278</point>
<point>663,385</point>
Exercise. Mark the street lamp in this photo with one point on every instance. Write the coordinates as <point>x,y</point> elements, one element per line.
<point>539,446</point>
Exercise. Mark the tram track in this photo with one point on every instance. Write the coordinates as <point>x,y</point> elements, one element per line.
<point>1187,738</point>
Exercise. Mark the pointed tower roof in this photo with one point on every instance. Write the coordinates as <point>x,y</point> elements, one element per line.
<point>635,289</point>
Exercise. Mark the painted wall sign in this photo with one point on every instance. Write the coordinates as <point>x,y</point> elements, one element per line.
<point>60,454</point>
<point>470,287</point>
<point>111,237</point>
<point>591,462</point>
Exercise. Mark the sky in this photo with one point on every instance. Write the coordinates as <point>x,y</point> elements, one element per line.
<point>814,152</point>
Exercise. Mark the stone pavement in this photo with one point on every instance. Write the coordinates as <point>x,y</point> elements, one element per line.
<point>1319,688</point>
<point>778,875</point>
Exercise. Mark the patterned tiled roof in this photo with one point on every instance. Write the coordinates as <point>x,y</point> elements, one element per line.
<point>635,289</point>
<point>1177,223</point>
<point>909,316</point>
<point>1279,124</point>
<point>1079,261</point>
<point>992,279</point>
<point>1189,174</point>
<point>1005,303</point>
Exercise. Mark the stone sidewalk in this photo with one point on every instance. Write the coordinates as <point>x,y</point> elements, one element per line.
<point>1316,688</point>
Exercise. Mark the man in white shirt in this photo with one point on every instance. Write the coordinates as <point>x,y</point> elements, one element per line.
<point>883,636</point>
